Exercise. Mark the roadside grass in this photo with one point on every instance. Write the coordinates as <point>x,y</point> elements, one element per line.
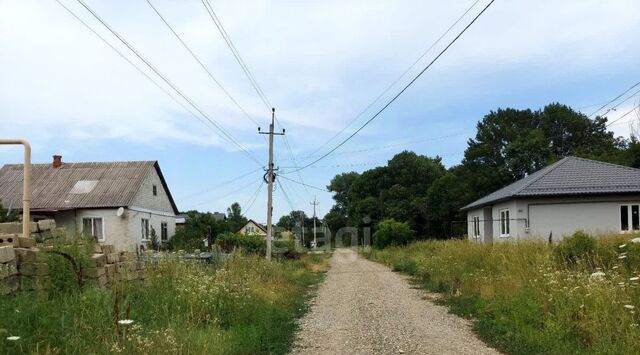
<point>530,297</point>
<point>244,305</point>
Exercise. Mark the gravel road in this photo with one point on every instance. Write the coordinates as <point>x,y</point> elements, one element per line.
<point>365,308</point>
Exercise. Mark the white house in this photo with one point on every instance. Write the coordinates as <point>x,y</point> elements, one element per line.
<point>118,203</point>
<point>569,195</point>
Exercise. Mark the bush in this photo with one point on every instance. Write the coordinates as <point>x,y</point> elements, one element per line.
<point>579,246</point>
<point>252,244</point>
<point>391,232</point>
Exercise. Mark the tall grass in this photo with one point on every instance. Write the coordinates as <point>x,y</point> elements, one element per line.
<point>245,305</point>
<point>530,297</point>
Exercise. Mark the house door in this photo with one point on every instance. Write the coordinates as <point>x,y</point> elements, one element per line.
<point>487,216</point>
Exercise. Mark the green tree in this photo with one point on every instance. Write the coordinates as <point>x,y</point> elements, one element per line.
<point>391,232</point>
<point>235,219</point>
<point>196,229</point>
<point>292,220</point>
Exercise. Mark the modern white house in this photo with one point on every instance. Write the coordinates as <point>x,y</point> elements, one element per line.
<point>118,203</point>
<point>570,195</point>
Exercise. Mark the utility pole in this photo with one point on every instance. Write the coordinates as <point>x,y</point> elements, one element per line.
<point>269,178</point>
<point>314,204</point>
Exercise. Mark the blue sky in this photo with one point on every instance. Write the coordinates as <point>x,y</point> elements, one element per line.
<point>318,62</point>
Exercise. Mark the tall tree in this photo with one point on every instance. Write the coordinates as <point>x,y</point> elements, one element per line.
<point>235,219</point>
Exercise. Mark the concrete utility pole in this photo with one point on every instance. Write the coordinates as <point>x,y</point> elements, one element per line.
<point>270,177</point>
<point>26,184</point>
<point>314,204</point>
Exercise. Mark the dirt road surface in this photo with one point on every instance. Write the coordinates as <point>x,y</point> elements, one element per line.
<point>365,308</point>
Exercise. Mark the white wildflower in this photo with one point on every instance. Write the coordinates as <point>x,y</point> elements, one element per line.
<point>635,240</point>
<point>628,306</point>
<point>598,275</point>
<point>622,257</point>
<point>635,278</point>
<point>622,246</point>
<point>13,338</point>
<point>125,322</point>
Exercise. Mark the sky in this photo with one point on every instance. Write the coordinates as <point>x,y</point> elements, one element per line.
<point>319,63</point>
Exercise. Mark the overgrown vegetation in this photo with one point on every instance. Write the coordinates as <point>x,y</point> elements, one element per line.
<point>391,232</point>
<point>508,145</point>
<point>8,215</point>
<point>244,305</point>
<point>581,296</point>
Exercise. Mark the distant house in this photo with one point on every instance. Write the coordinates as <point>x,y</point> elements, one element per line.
<point>569,195</point>
<point>253,228</point>
<point>118,203</point>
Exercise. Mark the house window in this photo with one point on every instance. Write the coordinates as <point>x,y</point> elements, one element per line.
<point>249,230</point>
<point>155,190</point>
<point>145,228</point>
<point>164,234</point>
<point>629,218</point>
<point>504,223</point>
<point>93,227</point>
<point>476,227</point>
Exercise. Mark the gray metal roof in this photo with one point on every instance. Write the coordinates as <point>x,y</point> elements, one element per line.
<point>78,185</point>
<point>569,176</point>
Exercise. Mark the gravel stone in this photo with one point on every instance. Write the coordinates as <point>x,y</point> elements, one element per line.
<point>364,308</point>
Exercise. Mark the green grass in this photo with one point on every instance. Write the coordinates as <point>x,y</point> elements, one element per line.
<point>532,298</point>
<point>243,306</point>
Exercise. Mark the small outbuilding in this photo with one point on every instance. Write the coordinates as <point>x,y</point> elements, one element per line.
<point>253,228</point>
<point>119,203</point>
<point>570,195</point>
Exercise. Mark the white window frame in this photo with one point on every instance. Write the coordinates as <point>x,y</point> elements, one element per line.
<point>104,236</point>
<point>142,229</point>
<point>476,227</point>
<point>250,230</point>
<point>505,222</point>
<point>629,216</point>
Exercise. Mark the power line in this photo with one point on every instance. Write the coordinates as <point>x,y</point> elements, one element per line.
<point>621,117</point>
<point>401,91</point>
<point>301,183</point>
<point>202,65</point>
<point>243,187</point>
<point>614,99</point>
<point>235,52</point>
<point>235,179</point>
<point>142,72</point>
<point>285,195</point>
<point>385,91</point>
<point>221,129</point>
<point>254,197</point>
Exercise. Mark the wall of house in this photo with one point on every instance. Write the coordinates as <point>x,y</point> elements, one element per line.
<point>114,227</point>
<point>156,209</point>
<point>564,216</point>
<point>256,229</point>
<point>470,215</point>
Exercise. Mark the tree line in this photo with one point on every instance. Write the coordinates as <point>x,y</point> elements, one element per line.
<point>508,145</point>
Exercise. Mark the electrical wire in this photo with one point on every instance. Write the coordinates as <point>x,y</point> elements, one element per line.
<point>222,132</point>
<point>301,183</point>
<point>392,84</point>
<point>614,99</point>
<point>401,91</point>
<point>235,179</point>
<point>202,65</point>
<point>253,198</point>
<point>235,53</point>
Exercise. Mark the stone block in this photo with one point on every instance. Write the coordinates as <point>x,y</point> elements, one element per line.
<point>27,255</point>
<point>113,258</point>
<point>46,225</point>
<point>98,260</point>
<point>33,269</point>
<point>100,282</point>
<point>9,285</point>
<point>59,232</point>
<point>8,269</point>
<point>108,248</point>
<point>11,228</point>
<point>26,242</point>
<point>9,239</point>
<point>94,272</point>
<point>126,256</point>
<point>97,248</point>
<point>7,254</point>
<point>111,271</point>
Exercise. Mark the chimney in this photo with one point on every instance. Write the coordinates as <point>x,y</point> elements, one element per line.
<point>57,161</point>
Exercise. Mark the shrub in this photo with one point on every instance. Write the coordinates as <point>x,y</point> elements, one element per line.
<point>391,232</point>
<point>252,244</point>
<point>579,246</point>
